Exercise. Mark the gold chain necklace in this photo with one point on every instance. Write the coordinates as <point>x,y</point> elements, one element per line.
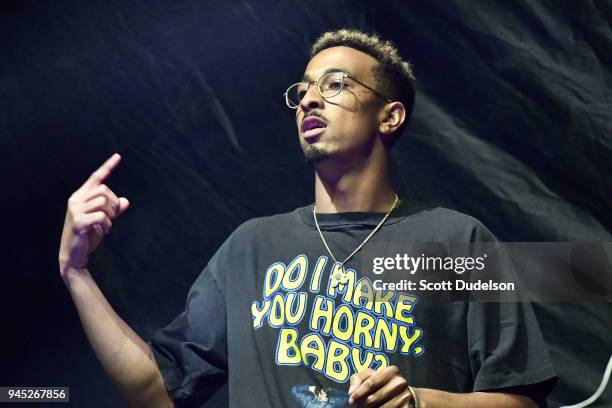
<point>340,275</point>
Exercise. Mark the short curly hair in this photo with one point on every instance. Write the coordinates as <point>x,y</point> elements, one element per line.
<point>394,76</point>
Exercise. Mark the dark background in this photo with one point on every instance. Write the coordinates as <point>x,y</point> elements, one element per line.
<point>512,125</point>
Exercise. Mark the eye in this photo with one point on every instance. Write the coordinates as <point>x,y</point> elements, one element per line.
<point>332,87</point>
<point>301,93</point>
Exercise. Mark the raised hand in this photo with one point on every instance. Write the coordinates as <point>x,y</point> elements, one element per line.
<point>91,210</point>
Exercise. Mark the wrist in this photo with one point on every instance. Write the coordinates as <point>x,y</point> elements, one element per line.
<point>68,272</point>
<point>416,400</point>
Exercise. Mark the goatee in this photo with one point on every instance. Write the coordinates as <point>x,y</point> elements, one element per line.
<point>314,154</point>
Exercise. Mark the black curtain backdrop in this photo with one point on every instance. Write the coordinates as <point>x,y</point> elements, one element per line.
<point>511,125</point>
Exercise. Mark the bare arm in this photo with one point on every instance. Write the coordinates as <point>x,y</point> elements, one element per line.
<point>387,388</point>
<point>435,398</point>
<point>125,357</point>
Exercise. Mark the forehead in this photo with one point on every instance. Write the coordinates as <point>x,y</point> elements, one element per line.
<point>346,59</point>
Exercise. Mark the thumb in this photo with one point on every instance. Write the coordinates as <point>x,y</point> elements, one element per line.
<point>353,383</point>
<point>124,204</point>
<point>358,378</point>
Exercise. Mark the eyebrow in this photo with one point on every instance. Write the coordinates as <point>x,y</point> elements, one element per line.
<point>327,71</point>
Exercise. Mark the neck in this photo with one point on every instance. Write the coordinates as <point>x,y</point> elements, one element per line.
<point>365,186</point>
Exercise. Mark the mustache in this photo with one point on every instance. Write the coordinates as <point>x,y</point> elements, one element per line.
<point>314,114</point>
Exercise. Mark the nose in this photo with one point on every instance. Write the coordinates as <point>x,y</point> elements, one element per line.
<point>312,99</point>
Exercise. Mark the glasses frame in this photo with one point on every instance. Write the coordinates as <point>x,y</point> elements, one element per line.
<point>344,76</point>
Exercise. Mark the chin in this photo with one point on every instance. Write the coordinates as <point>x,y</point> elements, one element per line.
<point>314,154</point>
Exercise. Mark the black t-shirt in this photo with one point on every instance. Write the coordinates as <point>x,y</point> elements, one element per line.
<point>263,319</point>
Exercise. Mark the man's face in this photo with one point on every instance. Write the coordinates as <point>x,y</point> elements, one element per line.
<point>351,118</point>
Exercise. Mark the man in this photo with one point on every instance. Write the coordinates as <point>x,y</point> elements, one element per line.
<point>280,312</point>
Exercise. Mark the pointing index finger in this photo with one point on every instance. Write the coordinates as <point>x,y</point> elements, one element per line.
<point>98,176</point>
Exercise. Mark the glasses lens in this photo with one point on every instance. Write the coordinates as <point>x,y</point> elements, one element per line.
<point>331,84</point>
<point>295,93</point>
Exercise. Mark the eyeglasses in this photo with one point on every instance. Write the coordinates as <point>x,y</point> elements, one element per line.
<point>329,85</point>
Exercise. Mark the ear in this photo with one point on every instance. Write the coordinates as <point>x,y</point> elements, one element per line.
<point>393,116</point>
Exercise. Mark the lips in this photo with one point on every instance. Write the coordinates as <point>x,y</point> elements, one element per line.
<point>312,123</point>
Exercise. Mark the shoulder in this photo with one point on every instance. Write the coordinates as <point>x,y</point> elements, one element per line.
<point>274,221</point>
<point>454,218</point>
<point>267,224</point>
<point>246,240</point>
<point>447,224</point>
